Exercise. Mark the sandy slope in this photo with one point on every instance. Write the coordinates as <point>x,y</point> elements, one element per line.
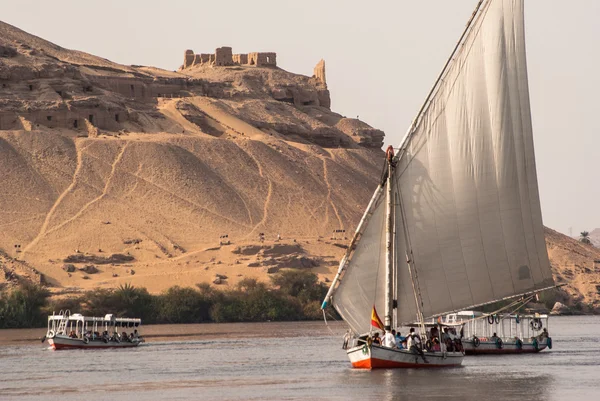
<point>578,265</point>
<point>194,155</point>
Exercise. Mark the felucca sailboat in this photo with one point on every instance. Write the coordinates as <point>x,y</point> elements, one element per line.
<point>455,222</point>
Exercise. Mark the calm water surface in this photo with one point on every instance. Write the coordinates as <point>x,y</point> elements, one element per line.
<point>288,361</point>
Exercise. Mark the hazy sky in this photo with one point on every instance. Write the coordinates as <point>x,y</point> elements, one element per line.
<point>382,58</point>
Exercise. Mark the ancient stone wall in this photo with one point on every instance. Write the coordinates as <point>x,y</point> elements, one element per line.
<point>319,72</point>
<point>241,59</point>
<point>188,58</point>
<point>223,56</point>
<point>262,59</point>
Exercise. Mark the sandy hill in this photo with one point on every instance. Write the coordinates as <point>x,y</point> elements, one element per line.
<point>100,158</point>
<point>119,174</point>
<point>578,265</point>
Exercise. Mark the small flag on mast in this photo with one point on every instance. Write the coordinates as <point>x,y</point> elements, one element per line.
<point>375,320</point>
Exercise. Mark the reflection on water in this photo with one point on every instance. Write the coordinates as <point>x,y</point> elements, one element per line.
<point>276,361</point>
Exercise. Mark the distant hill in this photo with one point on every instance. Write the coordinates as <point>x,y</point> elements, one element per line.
<point>574,263</point>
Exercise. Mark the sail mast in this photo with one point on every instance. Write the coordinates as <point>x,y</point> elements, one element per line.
<point>389,240</point>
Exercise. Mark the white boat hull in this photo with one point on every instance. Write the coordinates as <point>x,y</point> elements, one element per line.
<point>376,357</point>
<point>59,342</point>
<point>487,347</point>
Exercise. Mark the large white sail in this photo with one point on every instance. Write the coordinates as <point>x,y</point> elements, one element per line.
<point>467,176</point>
<point>363,283</point>
<point>466,184</point>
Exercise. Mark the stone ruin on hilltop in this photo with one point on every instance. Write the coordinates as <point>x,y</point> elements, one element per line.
<point>223,56</point>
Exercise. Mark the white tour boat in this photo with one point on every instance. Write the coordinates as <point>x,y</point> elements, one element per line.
<point>502,333</point>
<point>455,222</point>
<point>68,331</point>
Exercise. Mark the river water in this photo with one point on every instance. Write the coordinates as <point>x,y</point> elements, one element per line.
<point>288,361</point>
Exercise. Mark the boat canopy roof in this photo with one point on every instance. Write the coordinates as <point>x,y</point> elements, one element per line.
<point>109,318</point>
<point>472,314</point>
<point>435,324</point>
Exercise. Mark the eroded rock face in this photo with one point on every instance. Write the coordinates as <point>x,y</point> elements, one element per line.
<point>281,249</point>
<point>268,250</point>
<point>364,134</point>
<point>7,51</point>
<point>89,269</point>
<point>100,260</point>
<point>247,250</point>
<point>560,309</point>
<point>319,72</point>
<point>69,268</point>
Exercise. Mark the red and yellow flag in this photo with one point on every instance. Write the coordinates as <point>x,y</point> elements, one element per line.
<point>375,320</point>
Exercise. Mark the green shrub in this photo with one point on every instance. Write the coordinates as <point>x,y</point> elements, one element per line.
<point>23,307</point>
<point>300,284</point>
<point>183,305</point>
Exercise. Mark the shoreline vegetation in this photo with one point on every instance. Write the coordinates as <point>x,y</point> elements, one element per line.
<point>295,295</point>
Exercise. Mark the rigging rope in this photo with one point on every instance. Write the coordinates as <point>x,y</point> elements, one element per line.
<point>409,260</point>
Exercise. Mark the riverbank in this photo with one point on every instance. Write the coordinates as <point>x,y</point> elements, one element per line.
<point>293,296</point>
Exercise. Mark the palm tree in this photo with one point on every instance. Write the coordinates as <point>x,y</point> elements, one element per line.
<point>585,237</point>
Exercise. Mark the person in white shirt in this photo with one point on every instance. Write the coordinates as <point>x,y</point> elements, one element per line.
<point>389,339</point>
<point>410,340</point>
<point>414,345</point>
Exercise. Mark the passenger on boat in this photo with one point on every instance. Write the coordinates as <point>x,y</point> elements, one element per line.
<point>452,333</point>
<point>400,341</point>
<point>135,334</point>
<point>376,339</point>
<point>447,341</point>
<point>494,338</point>
<point>414,344</point>
<point>124,336</point>
<point>72,334</point>
<point>543,334</point>
<point>389,339</point>
<point>436,345</point>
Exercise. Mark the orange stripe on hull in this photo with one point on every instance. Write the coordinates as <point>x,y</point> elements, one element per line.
<point>374,363</point>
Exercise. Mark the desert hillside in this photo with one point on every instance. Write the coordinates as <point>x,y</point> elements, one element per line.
<point>100,158</point>
<point>227,168</point>
<point>577,265</point>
